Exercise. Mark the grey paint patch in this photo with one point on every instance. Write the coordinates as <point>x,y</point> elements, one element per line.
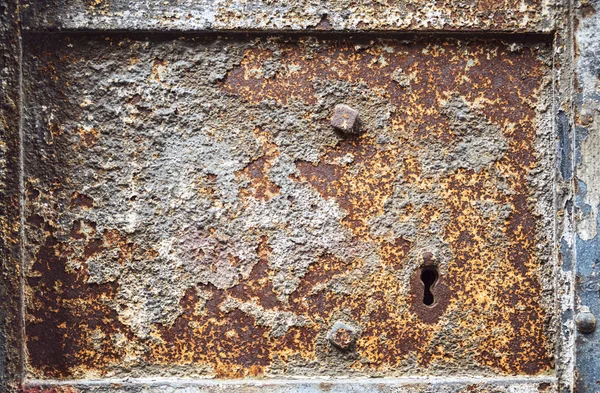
<point>588,154</point>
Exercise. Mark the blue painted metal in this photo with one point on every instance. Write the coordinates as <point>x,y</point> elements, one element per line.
<point>587,174</point>
<point>587,286</point>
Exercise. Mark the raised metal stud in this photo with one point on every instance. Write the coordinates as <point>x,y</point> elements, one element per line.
<point>585,320</point>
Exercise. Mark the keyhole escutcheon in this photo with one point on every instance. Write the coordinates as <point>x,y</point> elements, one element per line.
<point>429,276</point>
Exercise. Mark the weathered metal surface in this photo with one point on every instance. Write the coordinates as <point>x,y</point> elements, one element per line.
<point>378,385</point>
<point>10,239</point>
<point>587,188</point>
<point>203,15</point>
<point>191,212</point>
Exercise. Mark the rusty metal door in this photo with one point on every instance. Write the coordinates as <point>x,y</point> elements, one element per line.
<point>297,197</point>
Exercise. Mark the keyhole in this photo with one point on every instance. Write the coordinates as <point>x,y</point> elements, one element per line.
<point>429,276</point>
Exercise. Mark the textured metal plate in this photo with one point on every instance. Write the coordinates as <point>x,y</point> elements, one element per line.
<point>191,212</point>
<point>364,15</point>
<point>362,385</point>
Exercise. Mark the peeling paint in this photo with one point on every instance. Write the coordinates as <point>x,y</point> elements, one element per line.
<point>588,173</point>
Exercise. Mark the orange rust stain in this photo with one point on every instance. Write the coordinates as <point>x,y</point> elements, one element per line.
<point>81,200</point>
<point>327,268</point>
<point>361,187</point>
<point>207,186</point>
<point>393,254</point>
<point>411,168</point>
<point>62,329</point>
<point>249,82</point>
<point>258,285</point>
<point>260,187</point>
<point>159,68</point>
<point>88,137</point>
<point>427,214</point>
<point>95,3</point>
<point>59,327</point>
<point>231,342</point>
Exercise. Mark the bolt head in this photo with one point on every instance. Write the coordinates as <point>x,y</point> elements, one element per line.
<point>585,321</point>
<point>428,258</point>
<point>342,335</point>
<point>345,119</point>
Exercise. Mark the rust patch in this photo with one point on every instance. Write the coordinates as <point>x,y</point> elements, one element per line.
<point>88,137</point>
<point>260,187</point>
<point>64,332</point>
<point>358,175</point>
<point>393,255</point>
<point>81,200</point>
<point>159,67</point>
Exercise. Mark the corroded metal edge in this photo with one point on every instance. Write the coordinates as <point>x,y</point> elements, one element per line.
<point>10,224</point>
<point>303,15</point>
<point>397,385</point>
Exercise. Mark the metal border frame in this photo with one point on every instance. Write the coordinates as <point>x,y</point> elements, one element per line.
<point>576,34</point>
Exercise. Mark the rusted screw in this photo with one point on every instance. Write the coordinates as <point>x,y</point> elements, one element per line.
<point>342,335</point>
<point>585,320</point>
<point>345,119</point>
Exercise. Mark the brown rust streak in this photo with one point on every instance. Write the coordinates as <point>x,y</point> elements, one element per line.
<point>60,327</point>
<point>231,342</point>
<point>517,305</point>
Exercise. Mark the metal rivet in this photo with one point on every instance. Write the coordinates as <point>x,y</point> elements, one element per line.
<point>345,119</point>
<point>342,335</point>
<point>585,320</point>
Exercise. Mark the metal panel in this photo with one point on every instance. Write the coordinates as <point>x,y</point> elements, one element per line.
<point>191,212</point>
<point>163,174</point>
